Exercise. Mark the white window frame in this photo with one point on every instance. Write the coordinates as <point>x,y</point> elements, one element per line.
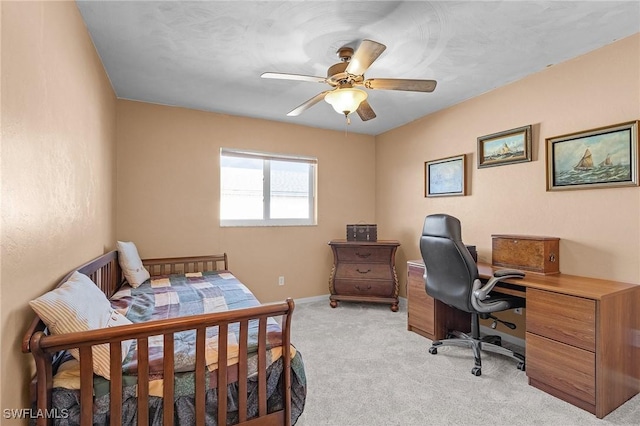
<point>266,188</point>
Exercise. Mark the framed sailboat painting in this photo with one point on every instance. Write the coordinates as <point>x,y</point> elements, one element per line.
<point>510,146</point>
<point>597,158</point>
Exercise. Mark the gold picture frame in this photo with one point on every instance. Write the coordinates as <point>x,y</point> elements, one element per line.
<point>598,158</point>
<point>445,177</point>
<point>507,147</point>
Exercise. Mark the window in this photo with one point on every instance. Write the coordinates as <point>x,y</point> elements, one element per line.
<point>261,189</point>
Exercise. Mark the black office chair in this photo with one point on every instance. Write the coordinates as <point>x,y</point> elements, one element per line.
<point>451,276</point>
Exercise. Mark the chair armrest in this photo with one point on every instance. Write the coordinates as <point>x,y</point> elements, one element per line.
<point>512,273</point>
<point>499,275</point>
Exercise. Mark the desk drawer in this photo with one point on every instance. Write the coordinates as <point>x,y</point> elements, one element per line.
<point>567,319</point>
<point>563,367</point>
<point>421,306</point>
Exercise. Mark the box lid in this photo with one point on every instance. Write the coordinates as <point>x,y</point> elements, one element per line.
<point>525,237</point>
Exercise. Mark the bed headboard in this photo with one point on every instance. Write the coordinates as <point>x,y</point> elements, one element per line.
<point>106,273</point>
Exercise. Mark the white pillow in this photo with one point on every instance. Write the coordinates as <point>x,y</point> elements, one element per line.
<point>131,264</point>
<point>79,305</point>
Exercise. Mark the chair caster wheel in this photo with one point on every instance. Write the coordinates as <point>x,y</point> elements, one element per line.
<point>433,350</point>
<point>476,371</point>
<point>521,366</point>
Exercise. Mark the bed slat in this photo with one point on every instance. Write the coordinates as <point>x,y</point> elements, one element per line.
<point>115,384</point>
<point>143,381</point>
<point>222,373</point>
<point>262,366</point>
<point>167,390</point>
<point>242,371</point>
<point>86,382</point>
<point>286,345</point>
<point>201,335</point>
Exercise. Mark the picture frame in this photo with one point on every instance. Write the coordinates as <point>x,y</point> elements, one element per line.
<point>445,177</point>
<point>598,158</point>
<point>506,147</point>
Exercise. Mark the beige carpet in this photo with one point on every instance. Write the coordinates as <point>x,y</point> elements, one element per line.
<point>364,368</point>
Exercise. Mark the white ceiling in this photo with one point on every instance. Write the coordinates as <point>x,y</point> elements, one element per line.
<point>209,55</point>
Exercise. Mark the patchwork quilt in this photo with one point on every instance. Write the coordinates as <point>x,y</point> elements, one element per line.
<point>174,296</point>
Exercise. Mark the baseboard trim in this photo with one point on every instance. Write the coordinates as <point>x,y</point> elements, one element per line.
<point>506,337</point>
<point>402,301</point>
<point>303,300</point>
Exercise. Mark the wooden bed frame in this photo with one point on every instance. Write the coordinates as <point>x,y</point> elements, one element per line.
<point>105,272</point>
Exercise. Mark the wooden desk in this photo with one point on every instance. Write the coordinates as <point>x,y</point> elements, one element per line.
<point>582,334</point>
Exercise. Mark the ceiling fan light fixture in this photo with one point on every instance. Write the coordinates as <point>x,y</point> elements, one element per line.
<point>345,101</point>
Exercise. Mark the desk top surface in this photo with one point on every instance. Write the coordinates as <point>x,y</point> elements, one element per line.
<point>574,285</point>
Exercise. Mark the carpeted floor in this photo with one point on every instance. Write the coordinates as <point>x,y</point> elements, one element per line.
<point>364,368</point>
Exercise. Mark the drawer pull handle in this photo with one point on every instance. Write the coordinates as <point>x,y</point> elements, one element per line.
<point>363,289</point>
<point>364,255</point>
<point>363,272</point>
<point>552,257</point>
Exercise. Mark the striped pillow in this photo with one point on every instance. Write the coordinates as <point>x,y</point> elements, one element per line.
<point>79,305</point>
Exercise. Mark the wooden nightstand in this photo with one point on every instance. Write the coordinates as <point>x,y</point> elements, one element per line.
<point>364,272</point>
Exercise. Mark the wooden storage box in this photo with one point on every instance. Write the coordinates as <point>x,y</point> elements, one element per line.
<point>526,252</point>
<point>360,232</point>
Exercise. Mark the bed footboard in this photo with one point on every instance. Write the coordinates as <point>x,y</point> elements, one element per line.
<point>43,346</point>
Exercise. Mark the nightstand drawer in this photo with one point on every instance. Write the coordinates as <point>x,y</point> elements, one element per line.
<point>366,271</point>
<point>569,369</point>
<point>364,254</point>
<point>567,319</point>
<point>349,287</point>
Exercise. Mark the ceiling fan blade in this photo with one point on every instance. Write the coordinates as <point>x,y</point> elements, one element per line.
<point>308,104</point>
<point>367,52</point>
<point>365,111</point>
<point>298,77</point>
<point>400,84</point>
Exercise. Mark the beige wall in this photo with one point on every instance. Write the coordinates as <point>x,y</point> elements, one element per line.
<point>168,193</point>
<point>58,166</point>
<point>599,228</point>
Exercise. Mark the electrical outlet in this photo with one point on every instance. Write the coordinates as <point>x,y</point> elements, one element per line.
<point>281,280</point>
<point>518,311</point>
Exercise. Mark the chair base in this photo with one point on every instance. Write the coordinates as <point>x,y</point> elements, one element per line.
<point>485,343</point>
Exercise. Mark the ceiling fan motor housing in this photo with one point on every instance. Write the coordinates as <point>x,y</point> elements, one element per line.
<point>336,74</point>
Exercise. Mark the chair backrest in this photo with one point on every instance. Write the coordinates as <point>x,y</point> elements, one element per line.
<point>450,268</point>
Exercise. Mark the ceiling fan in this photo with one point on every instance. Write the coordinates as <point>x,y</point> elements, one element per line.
<point>349,72</point>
